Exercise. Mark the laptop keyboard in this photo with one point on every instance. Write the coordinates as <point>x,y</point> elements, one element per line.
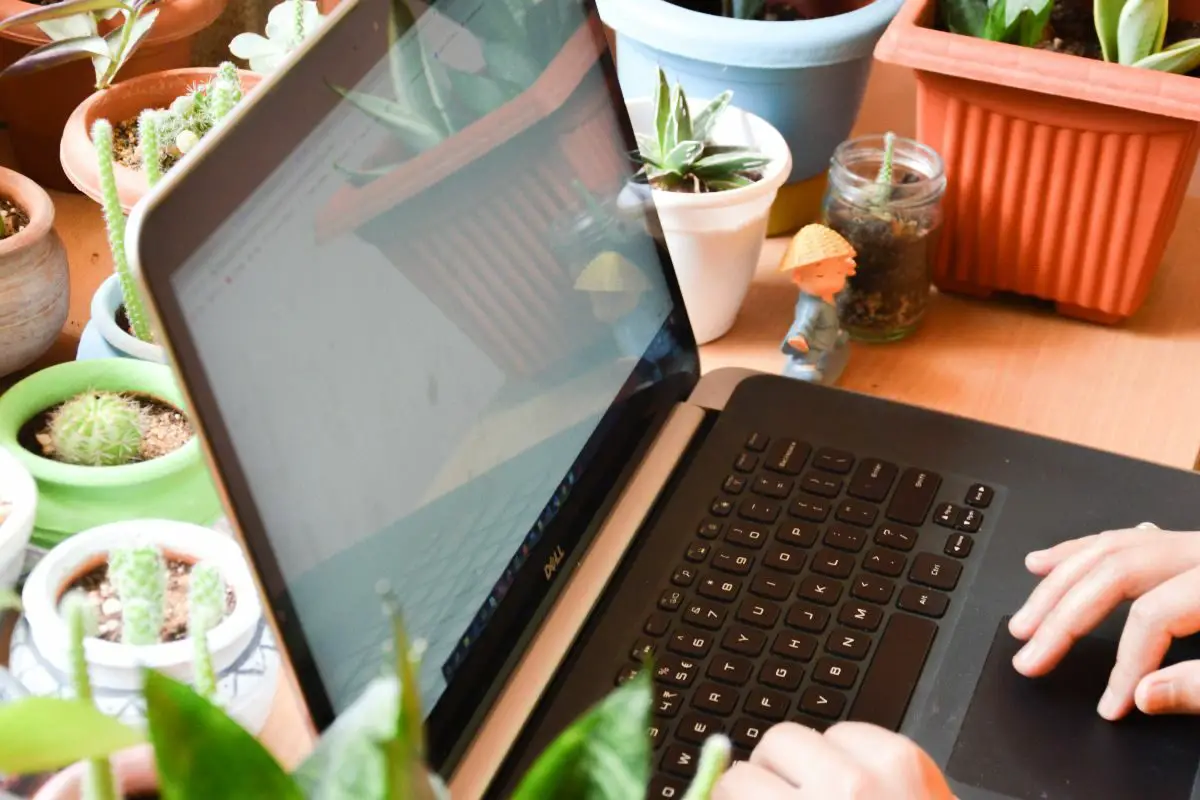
<point>808,593</point>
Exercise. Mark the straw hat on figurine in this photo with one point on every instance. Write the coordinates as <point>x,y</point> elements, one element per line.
<point>814,244</point>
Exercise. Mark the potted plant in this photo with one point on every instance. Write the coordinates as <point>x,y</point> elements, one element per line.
<point>37,102</point>
<point>106,440</point>
<point>35,291</point>
<point>713,171</point>
<point>18,506</point>
<point>1067,161</point>
<point>289,24</point>
<point>801,65</point>
<point>374,751</point>
<point>144,580</point>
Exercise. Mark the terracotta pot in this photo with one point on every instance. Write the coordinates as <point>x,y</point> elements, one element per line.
<point>36,106</point>
<point>134,768</point>
<point>1066,174</point>
<point>122,101</point>
<point>34,282</point>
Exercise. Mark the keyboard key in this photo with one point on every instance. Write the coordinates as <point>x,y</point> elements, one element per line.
<point>935,572</point>
<point>746,463</point>
<point>863,616</point>
<point>746,536</point>
<point>666,702</point>
<point>785,559</point>
<point>746,733</point>
<point>872,480</point>
<point>833,564</point>
<point>625,674</point>
<point>835,673</point>
<point>697,552</point>
<point>979,496</point>
<point>747,641</point>
<point>820,590</point>
<point>822,702</point>
<point>759,509</point>
<point>663,788</point>
<point>733,563</point>
<point>734,484</point>
<point>731,669</point>
<point>643,649</point>
<point>897,537</point>
<point>690,643</point>
<point>803,534</point>
<point>844,537</point>
<point>658,734</point>
<point>757,442</point>
<point>671,600</point>
<point>899,658</point>
<point>856,512</point>
<point>884,562</point>
<point>848,644</point>
<point>818,725</point>
<point>807,617</point>
<point>969,520</point>
<point>681,760</point>
<point>704,614</point>
<point>873,589</point>
<point>777,488</point>
<point>759,613</point>
<point>716,587</point>
<point>710,529</point>
<point>923,601</point>
<point>772,587</point>
<point>721,507</point>
<point>821,484</point>
<point>720,700</point>
<point>830,460</point>
<point>780,674</point>
<point>958,545</point>
<point>797,646</point>
<point>684,576</point>
<point>656,624</point>
<point>767,704</point>
<point>810,508</point>
<point>946,514</point>
<point>913,496</point>
<point>675,671</point>
<point>696,728</point>
<point>786,456</point>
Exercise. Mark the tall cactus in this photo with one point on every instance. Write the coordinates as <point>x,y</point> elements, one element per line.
<point>139,575</point>
<point>883,180</point>
<point>150,144</point>
<point>206,607</point>
<point>81,622</point>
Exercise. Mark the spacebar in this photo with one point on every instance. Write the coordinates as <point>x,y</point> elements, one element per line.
<point>892,676</point>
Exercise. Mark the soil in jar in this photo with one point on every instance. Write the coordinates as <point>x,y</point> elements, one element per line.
<point>13,218</point>
<point>164,430</point>
<point>781,10</point>
<point>106,604</point>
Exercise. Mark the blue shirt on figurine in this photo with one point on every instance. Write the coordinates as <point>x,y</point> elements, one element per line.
<point>819,260</point>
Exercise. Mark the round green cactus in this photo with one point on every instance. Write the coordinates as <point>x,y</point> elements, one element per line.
<point>97,429</point>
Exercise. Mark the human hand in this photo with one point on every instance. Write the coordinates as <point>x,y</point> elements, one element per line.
<point>799,343</point>
<point>1085,579</point>
<point>850,761</point>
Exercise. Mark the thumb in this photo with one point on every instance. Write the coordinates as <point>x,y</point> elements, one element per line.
<point>1173,690</point>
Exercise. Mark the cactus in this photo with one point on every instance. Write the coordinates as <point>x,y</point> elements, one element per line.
<point>883,180</point>
<point>150,146</point>
<point>206,606</point>
<point>81,623</point>
<point>114,221</point>
<point>195,113</point>
<point>139,575</point>
<point>97,429</point>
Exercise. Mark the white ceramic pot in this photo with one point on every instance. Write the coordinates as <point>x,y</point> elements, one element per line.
<point>716,238</point>
<point>243,650</point>
<point>105,303</point>
<point>18,490</point>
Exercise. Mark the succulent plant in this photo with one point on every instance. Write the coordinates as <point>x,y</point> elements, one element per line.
<point>139,575</point>
<point>206,607</point>
<point>288,25</point>
<point>1132,32</point>
<point>97,429</point>
<point>680,156</point>
<point>176,130</point>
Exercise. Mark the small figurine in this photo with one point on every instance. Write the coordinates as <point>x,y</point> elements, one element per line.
<point>820,260</point>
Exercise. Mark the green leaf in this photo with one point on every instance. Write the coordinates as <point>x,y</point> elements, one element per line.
<point>604,755</point>
<point>722,164</point>
<point>681,156</point>
<point>1107,15</point>
<point>494,21</point>
<point>202,754</point>
<point>647,147</point>
<point>1140,29</point>
<point>141,27</point>
<point>39,734</point>
<point>60,10</point>
<point>479,93</point>
<point>732,182</point>
<point>994,29</point>
<point>52,54</point>
<point>1031,26</point>
<point>9,600</point>
<point>683,118</point>
<point>349,761</point>
<point>965,17</point>
<point>1180,58</point>
<point>662,109</point>
<point>412,130</point>
<point>73,27</point>
<point>703,123</point>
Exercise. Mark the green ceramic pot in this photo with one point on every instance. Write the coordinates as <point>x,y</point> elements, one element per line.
<point>72,498</point>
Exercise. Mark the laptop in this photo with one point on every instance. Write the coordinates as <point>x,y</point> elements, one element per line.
<point>431,342</point>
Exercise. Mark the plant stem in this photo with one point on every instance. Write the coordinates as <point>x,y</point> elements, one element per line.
<point>298,21</point>
<point>714,760</point>
<point>100,784</point>
<point>118,57</point>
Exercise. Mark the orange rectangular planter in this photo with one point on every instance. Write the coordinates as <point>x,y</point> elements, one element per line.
<point>1066,174</point>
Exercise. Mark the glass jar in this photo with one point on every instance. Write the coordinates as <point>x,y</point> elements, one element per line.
<point>893,225</point>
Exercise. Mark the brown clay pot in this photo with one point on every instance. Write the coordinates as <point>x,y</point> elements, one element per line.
<point>36,106</point>
<point>120,102</point>
<point>34,281</point>
<point>134,769</point>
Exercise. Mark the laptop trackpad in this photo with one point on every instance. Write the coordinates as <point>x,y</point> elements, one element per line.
<point>1043,740</point>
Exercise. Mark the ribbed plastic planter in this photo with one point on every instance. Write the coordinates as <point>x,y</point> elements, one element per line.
<point>1065,174</point>
<point>806,78</point>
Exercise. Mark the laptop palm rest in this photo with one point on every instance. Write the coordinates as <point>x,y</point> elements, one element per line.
<point>1043,740</point>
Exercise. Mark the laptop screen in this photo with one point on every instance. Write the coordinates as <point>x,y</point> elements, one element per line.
<point>420,327</point>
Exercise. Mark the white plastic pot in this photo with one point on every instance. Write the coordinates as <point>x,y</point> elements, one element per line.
<point>244,654</point>
<point>19,490</point>
<point>716,238</point>
<point>105,303</point>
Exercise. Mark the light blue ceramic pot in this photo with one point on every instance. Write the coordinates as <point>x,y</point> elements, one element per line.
<point>806,78</point>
